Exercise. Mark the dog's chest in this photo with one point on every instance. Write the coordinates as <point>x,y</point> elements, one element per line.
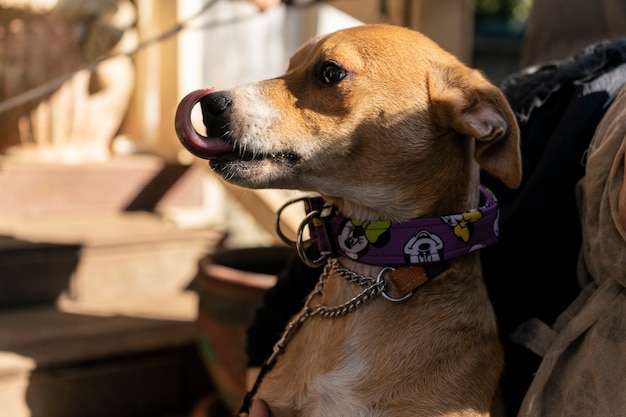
<point>331,363</point>
<point>325,366</point>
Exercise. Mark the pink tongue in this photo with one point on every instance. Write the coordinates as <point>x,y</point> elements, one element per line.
<point>199,145</point>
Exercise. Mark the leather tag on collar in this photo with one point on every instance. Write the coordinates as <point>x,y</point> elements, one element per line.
<point>408,278</point>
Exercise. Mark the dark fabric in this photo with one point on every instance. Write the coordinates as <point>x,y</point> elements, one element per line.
<point>280,303</point>
<point>531,271</point>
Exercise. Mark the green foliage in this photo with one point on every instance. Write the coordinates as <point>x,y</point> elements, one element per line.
<point>510,9</point>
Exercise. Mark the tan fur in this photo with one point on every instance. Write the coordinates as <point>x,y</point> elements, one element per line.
<point>401,136</point>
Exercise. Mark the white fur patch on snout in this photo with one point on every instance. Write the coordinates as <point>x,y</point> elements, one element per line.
<point>252,117</point>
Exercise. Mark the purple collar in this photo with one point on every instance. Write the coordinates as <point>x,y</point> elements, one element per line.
<point>418,241</point>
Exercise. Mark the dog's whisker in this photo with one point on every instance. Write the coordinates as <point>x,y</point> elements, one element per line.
<point>225,134</point>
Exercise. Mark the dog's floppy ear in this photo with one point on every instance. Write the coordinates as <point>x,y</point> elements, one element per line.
<point>474,107</point>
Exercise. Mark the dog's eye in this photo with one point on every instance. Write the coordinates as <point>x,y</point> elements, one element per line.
<point>331,73</point>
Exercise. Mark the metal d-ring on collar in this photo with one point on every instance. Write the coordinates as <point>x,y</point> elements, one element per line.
<point>279,213</point>
<point>300,244</point>
<point>384,293</point>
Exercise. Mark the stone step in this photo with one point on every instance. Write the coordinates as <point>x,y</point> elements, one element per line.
<point>96,256</point>
<point>34,273</point>
<point>135,358</point>
<point>134,182</point>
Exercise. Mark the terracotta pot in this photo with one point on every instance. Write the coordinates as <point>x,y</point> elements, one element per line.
<point>231,285</point>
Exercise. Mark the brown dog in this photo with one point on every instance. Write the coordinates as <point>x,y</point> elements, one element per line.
<point>385,125</point>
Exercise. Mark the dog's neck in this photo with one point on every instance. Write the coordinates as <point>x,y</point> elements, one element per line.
<point>425,198</point>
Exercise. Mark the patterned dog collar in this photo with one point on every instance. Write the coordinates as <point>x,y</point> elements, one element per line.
<point>415,242</point>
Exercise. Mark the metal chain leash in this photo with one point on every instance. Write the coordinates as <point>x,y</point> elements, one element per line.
<point>351,276</point>
<point>373,287</point>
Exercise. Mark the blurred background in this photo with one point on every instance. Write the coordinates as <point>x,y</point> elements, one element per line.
<point>128,271</point>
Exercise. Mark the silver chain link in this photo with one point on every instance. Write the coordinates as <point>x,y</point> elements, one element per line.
<point>373,287</point>
<point>351,276</point>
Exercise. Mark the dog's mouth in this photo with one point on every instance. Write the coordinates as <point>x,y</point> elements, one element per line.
<point>256,169</point>
<point>287,157</point>
<point>247,156</point>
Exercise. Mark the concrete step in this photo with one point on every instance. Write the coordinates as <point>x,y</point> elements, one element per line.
<point>136,358</point>
<point>96,256</point>
<point>134,182</point>
<point>34,273</point>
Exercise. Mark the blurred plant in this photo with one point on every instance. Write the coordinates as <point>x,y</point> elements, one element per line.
<point>511,13</point>
<point>511,9</point>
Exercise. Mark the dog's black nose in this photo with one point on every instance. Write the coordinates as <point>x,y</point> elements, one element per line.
<point>216,109</point>
<point>216,103</point>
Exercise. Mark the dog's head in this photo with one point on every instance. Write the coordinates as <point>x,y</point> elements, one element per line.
<point>377,118</point>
